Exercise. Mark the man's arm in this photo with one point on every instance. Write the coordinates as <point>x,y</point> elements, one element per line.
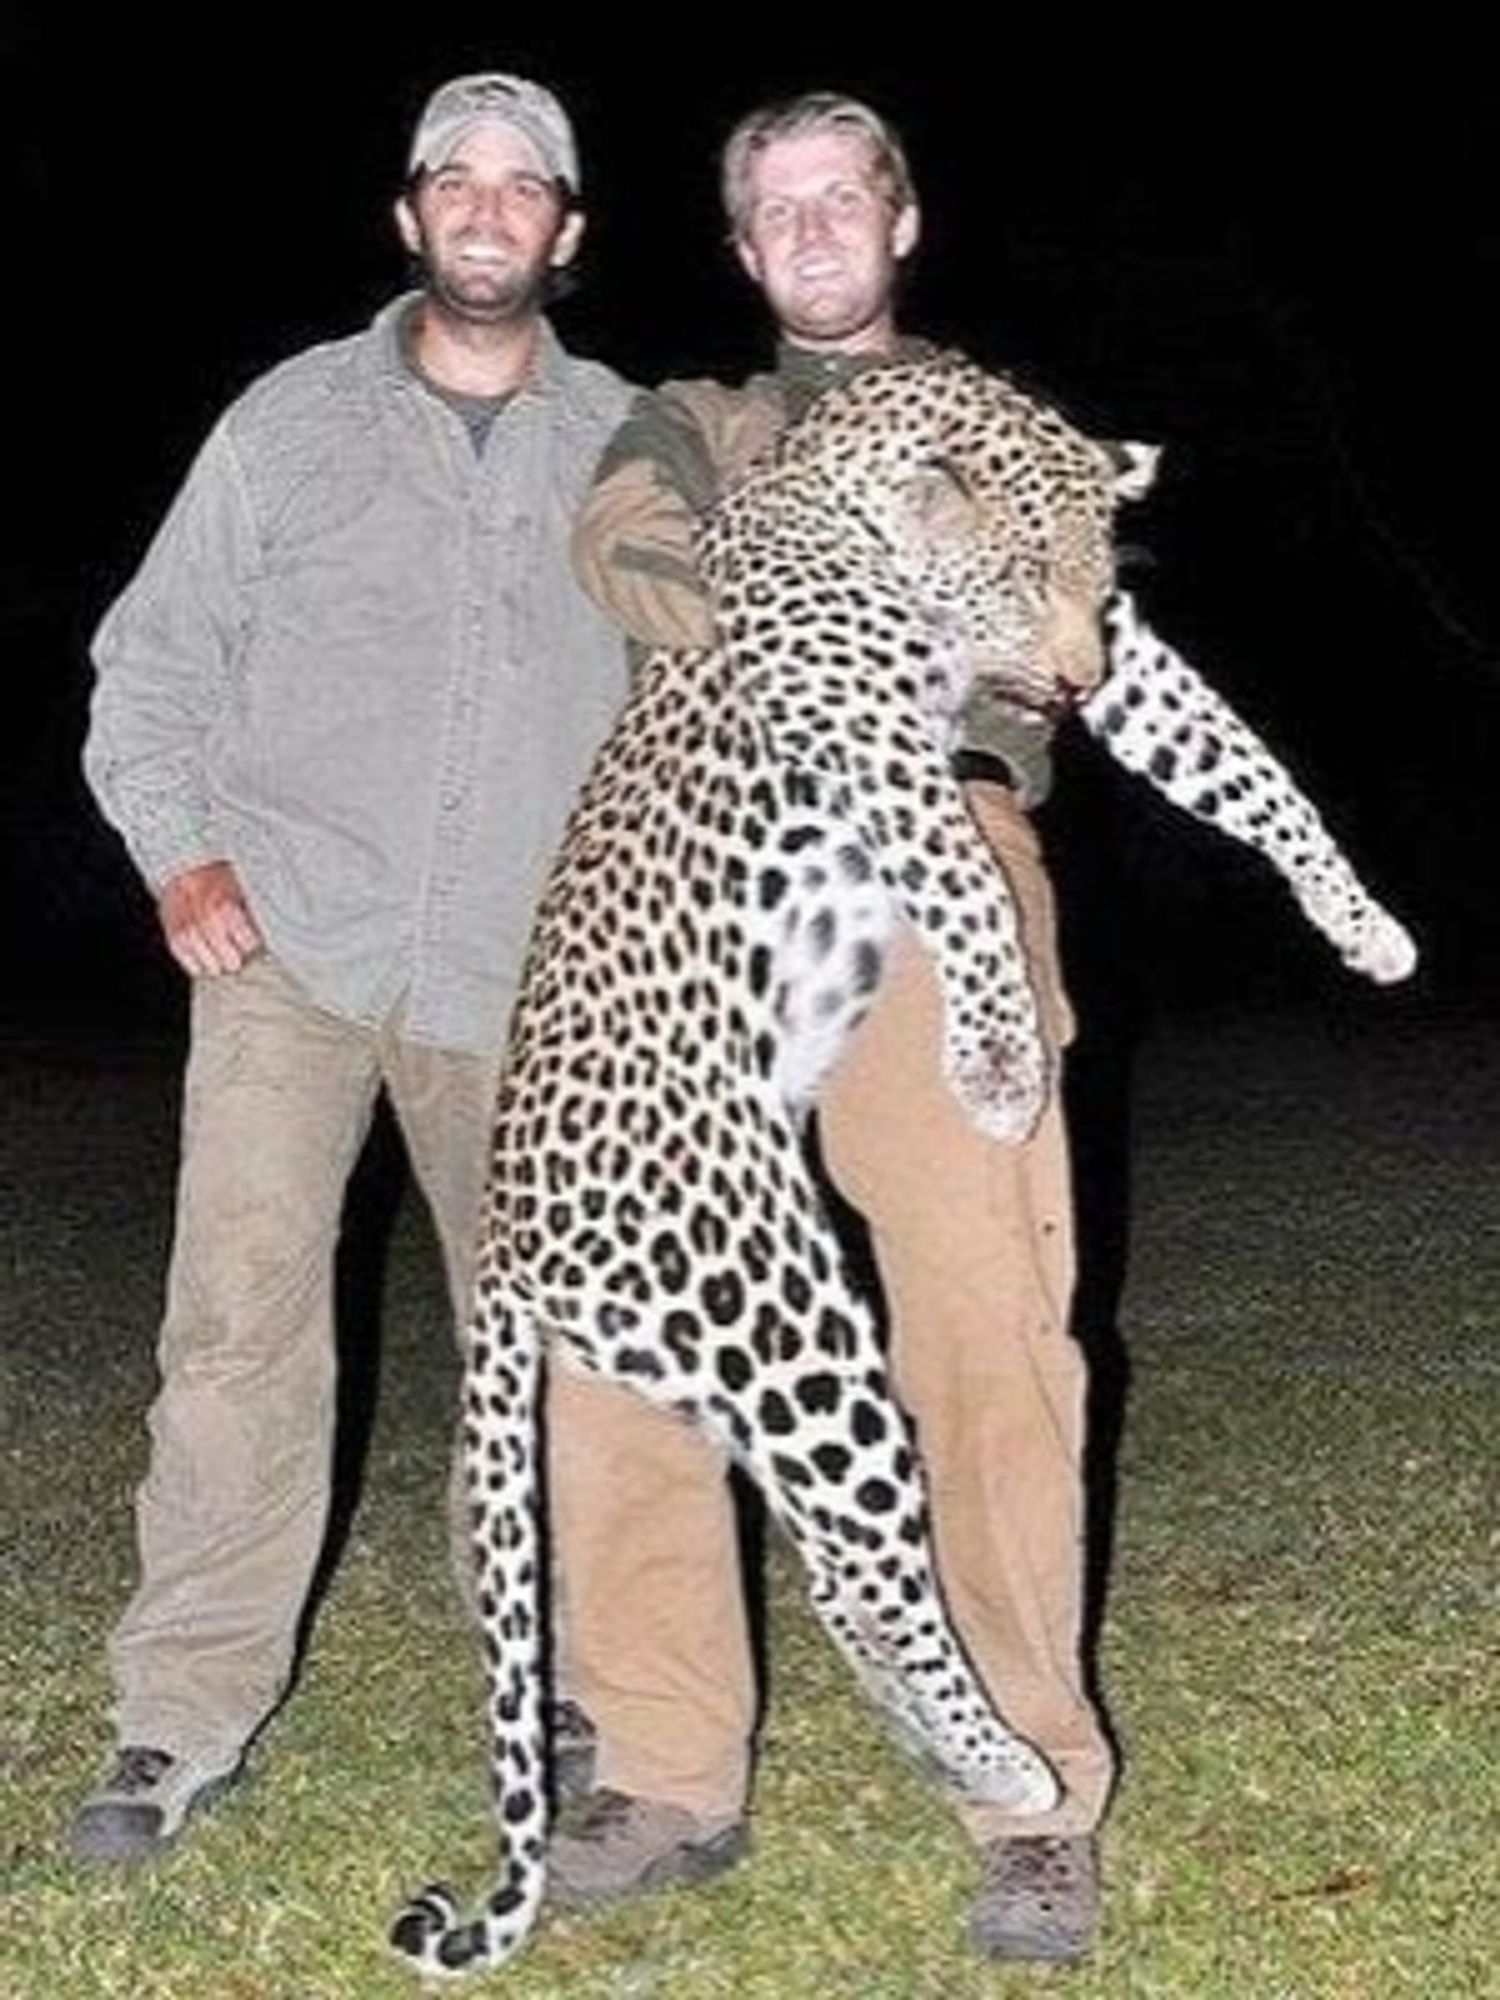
<point>164,655</point>
<point>664,468</point>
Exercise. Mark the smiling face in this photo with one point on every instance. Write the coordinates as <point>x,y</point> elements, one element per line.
<point>819,234</point>
<point>489,227</point>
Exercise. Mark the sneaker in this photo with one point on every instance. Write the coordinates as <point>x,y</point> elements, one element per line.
<point>575,1747</point>
<point>1039,1898</point>
<point>614,1846</point>
<point>142,1805</point>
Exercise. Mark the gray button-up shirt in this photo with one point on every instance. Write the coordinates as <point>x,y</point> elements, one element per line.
<point>355,664</point>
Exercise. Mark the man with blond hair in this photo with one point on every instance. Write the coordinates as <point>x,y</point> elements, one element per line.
<point>973,1239</point>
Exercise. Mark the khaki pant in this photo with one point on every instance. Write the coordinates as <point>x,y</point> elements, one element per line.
<point>975,1250</point>
<point>232,1513</point>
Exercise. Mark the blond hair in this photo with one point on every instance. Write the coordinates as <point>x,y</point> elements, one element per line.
<point>817,111</point>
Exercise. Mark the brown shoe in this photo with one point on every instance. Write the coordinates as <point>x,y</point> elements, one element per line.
<point>1039,1898</point>
<point>612,1846</point>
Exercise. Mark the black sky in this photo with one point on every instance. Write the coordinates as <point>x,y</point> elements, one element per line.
<point>1278,261</point>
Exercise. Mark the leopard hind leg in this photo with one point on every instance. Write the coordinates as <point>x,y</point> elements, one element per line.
<point>830,1449</point>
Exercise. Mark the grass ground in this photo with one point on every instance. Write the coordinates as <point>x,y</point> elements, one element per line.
<point>1299,1643</point>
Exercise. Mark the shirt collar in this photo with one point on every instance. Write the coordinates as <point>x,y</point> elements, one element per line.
<point>392,329</point>
<point>805,372</point>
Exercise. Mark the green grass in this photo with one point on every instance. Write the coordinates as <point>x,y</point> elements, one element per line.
<point>1300,1647</point>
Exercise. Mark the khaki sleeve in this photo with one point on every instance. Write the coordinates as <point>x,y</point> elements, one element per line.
<point>633,553</point>
<point>633,537</point>
<point>666,465</point>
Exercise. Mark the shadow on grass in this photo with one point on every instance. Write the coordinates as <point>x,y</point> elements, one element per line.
<point>380,1187</point>
<point>372,1203</point>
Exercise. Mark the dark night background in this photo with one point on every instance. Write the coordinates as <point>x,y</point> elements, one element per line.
<point>1278,262</point>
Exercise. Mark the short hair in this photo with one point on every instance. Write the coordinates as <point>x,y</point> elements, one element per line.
<point>794,118</point>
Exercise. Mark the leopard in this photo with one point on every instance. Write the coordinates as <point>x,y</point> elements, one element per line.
<point>763,818</point>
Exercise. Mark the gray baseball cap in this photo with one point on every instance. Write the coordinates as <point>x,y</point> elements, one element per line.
<point>534,112</point>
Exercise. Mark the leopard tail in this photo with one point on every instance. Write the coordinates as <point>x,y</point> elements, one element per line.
<point>501,1394</point>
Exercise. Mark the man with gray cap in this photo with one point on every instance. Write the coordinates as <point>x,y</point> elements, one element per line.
<point>339,717</point>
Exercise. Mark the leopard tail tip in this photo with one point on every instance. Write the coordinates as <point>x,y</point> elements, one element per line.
<point>1389,956</point>
<point>429,1935</point>
<point>424,1920</point>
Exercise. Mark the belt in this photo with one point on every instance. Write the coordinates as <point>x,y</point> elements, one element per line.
<point>982,767</point>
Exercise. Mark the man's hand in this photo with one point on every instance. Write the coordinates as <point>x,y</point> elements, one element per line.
<point>207,922</point>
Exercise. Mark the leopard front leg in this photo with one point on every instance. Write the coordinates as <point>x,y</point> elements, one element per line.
<point>883,774</point>
<point>952,891</point>
<point>1160,719</point>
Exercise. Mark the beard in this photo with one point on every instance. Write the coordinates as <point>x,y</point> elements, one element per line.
<point>484,295</point>
<point>492,300</point>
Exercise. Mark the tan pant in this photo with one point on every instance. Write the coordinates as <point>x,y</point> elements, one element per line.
<point>974,1243</point>
<point>231,1515</point>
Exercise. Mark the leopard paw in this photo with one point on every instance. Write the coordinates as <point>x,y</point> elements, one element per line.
<point>1002,1085</point>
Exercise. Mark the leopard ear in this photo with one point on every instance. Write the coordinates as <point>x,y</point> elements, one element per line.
<point>1135,467</point>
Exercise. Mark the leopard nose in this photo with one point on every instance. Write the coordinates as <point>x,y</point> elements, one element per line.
<point>1073,647</point>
